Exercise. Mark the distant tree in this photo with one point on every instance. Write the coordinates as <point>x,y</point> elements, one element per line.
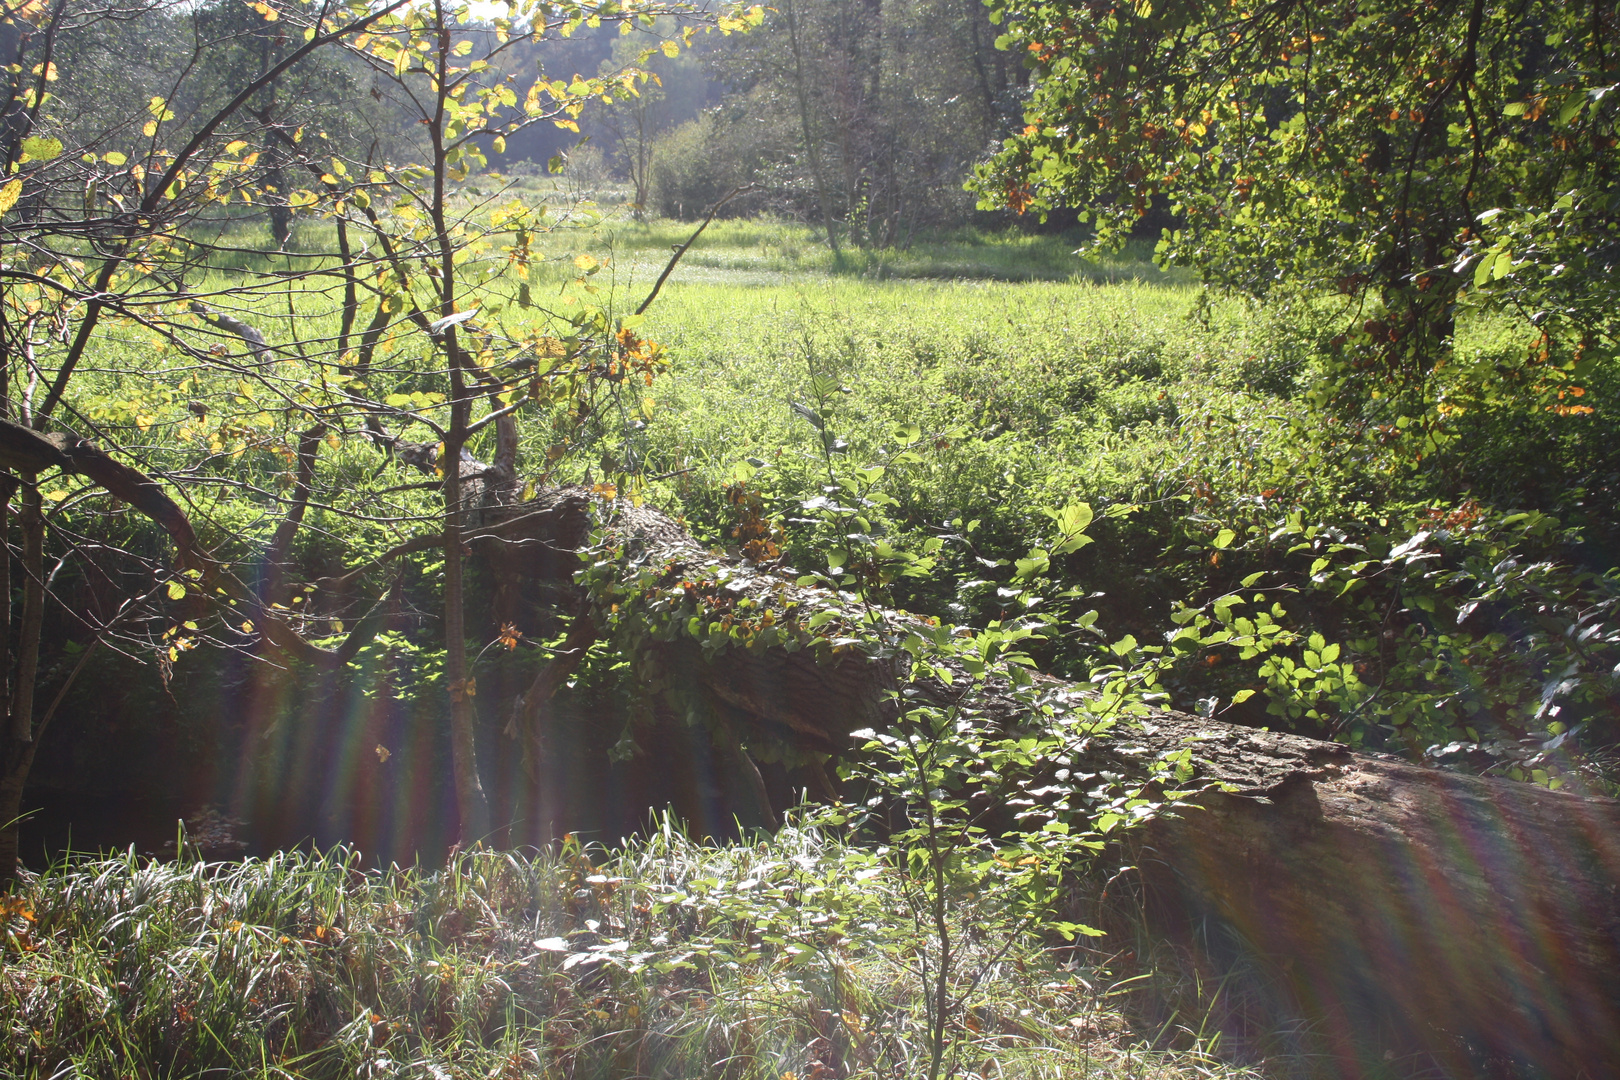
<point>672,90</point>
<point>1388,151</point>
<point>873,111</point>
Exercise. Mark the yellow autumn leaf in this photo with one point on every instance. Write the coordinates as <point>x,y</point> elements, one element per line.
<point>9,193</point>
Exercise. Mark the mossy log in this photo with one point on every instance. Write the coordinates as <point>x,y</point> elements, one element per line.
<point>1396,908</point>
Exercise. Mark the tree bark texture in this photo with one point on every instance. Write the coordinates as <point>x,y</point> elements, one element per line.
<point>1397,908</point>
<point>1471,920</point>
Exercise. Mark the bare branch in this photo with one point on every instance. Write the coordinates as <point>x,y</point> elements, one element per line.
<point>676,258</point>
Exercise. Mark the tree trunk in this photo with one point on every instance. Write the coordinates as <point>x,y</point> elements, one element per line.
<point>1400,908</point>
<point>471,803</point>
<point>812,146</point>
<point>33,613</point>
<point>11,793</point>
<point>1396,909</point>
<point>19,737</point>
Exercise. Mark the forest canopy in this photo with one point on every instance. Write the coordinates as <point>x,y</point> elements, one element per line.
<point>1409,157</point>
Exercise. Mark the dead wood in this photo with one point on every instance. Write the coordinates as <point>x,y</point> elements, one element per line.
<point>1396,907</point>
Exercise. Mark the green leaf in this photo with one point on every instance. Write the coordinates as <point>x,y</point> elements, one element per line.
<point>1224,538</point>
<point>1073,518</point>
<point>1072,521</point>
<point>41,149</point>
<point>177,590</point>
<point>1037,563</point>
<point>809,415</point>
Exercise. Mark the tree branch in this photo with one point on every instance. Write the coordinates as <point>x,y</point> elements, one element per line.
<point>255,340</point>
<point>275,556</point>
<point>690,240</point>
<point>530,714</point>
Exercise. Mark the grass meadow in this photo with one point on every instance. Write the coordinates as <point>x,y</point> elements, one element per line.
<point>790,956</point>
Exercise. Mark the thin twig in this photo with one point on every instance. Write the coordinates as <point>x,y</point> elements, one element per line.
<point>676,258</point>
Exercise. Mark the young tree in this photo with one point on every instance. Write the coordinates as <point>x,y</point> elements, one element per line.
<point>675,88</point>
<point>260,395</point>
<point>93,235</point>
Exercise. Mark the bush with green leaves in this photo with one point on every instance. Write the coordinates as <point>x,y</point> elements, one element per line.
<point>978,784</point>
<point>698,163</point>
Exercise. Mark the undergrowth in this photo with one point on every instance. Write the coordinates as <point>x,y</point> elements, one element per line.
<point>792,956</point>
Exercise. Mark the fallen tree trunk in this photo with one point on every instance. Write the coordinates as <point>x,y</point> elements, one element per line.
<point>1476,921</point>
<point>1397,908</point>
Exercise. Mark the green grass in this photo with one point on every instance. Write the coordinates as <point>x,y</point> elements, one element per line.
<point>1056,392</point>
<point>790,956</point>
<point>1143,391</point>
<point>772,251</point>
<point>1068,385</point>
<point>768,251</point>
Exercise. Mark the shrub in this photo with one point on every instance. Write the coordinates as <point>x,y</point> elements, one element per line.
<point>698,163</point>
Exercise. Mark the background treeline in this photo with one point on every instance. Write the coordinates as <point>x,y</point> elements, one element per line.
<point>862,118</point>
